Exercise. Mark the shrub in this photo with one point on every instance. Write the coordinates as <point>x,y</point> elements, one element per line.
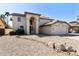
<point>63,48</point>
<point>54,47</point>
<point>19,31</point>
<point>12,33</point>
<point>70,49</point>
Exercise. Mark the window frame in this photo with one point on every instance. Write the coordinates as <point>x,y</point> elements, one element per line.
<point>18,19</point>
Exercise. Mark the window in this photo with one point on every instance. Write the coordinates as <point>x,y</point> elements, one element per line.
<point>19,19</point>
<point>31,22</point>
<point>10,19</point>
<point>21,27</point>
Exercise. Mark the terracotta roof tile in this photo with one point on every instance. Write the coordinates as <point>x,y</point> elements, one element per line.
<point>17,14</point>
<point>53,22</point>
<point>46,18</point>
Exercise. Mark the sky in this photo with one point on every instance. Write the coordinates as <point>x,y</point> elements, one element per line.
<point>58,11</point>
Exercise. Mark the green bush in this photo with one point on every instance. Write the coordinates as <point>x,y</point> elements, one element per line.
<point>19,31</point>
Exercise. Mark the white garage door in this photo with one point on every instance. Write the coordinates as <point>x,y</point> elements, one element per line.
<point>60,29</point>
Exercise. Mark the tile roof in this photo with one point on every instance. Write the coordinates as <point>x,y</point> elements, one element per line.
<point>32,13</point>
<point>17,14</point>
<point>53,22</point>
<point>74,24</point>
<point>46,18</point>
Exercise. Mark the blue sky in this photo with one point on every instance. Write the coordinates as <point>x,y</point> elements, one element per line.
<point>58,11</point>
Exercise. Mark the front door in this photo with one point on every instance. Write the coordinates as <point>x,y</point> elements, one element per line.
<point>32,26</point>
<point>32,30</point>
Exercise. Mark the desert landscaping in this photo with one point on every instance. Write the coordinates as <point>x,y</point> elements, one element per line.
<point>38,30</point>
<point>39,45</point>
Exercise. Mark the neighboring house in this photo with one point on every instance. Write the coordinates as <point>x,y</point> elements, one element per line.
<point>2,27</point>
<point>74,25</point>
<point>55,27</point>
<point>31,23</point>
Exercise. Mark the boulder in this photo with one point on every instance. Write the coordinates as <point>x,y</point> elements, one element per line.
<point>63,47</point>
<point>50,44</point>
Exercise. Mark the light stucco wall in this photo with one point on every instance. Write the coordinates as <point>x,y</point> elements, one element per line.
<point>43,21</point>
<point>16,24</point>
<point>58,28</point>
<point>25,21</point>
<point>28,16</point>
<point>46,30</point>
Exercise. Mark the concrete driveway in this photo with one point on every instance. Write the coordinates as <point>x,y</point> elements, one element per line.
<point>72,36</point>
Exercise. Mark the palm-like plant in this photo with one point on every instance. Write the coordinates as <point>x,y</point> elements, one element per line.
<point>7,19</point>
<point>7,14</point>
<point>2,16</point>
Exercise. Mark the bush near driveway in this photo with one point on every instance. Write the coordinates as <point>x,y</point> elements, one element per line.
<point>12,33</point>
<point>17,32</point>
<point>7,31</point>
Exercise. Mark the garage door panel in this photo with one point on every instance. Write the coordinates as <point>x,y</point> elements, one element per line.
<point>60,30</point>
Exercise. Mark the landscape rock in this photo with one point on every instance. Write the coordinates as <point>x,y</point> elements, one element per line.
<point>63,47</point>
<point>50,44</point>
<point>54,47</point>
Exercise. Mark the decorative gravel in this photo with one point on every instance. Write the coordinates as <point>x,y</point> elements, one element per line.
<point>33,45</point>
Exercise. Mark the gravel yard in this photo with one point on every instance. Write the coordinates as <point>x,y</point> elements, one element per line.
<point>33,45</point>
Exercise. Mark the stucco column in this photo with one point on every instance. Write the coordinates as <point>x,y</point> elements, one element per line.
<point>37,27</point>
<point>27,22</point>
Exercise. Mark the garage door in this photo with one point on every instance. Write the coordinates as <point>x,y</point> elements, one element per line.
<point>60,30</point>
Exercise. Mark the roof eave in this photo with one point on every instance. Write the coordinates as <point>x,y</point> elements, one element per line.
<point>32,13</point>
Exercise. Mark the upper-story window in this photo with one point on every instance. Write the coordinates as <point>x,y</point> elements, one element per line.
<point>19,19</point>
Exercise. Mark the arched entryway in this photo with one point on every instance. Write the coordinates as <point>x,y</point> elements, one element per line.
<point>32,26</point>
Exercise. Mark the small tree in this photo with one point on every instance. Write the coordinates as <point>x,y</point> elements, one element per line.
<point>2,16</point>
<point>7,14</point>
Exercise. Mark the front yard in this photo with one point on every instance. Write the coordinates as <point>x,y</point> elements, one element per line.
<point>30,45</point>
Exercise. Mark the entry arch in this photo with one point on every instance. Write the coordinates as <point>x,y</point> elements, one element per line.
<point>32,26</point>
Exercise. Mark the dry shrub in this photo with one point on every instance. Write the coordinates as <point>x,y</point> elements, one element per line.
<point>63,48</point>
<point>54,47</point>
